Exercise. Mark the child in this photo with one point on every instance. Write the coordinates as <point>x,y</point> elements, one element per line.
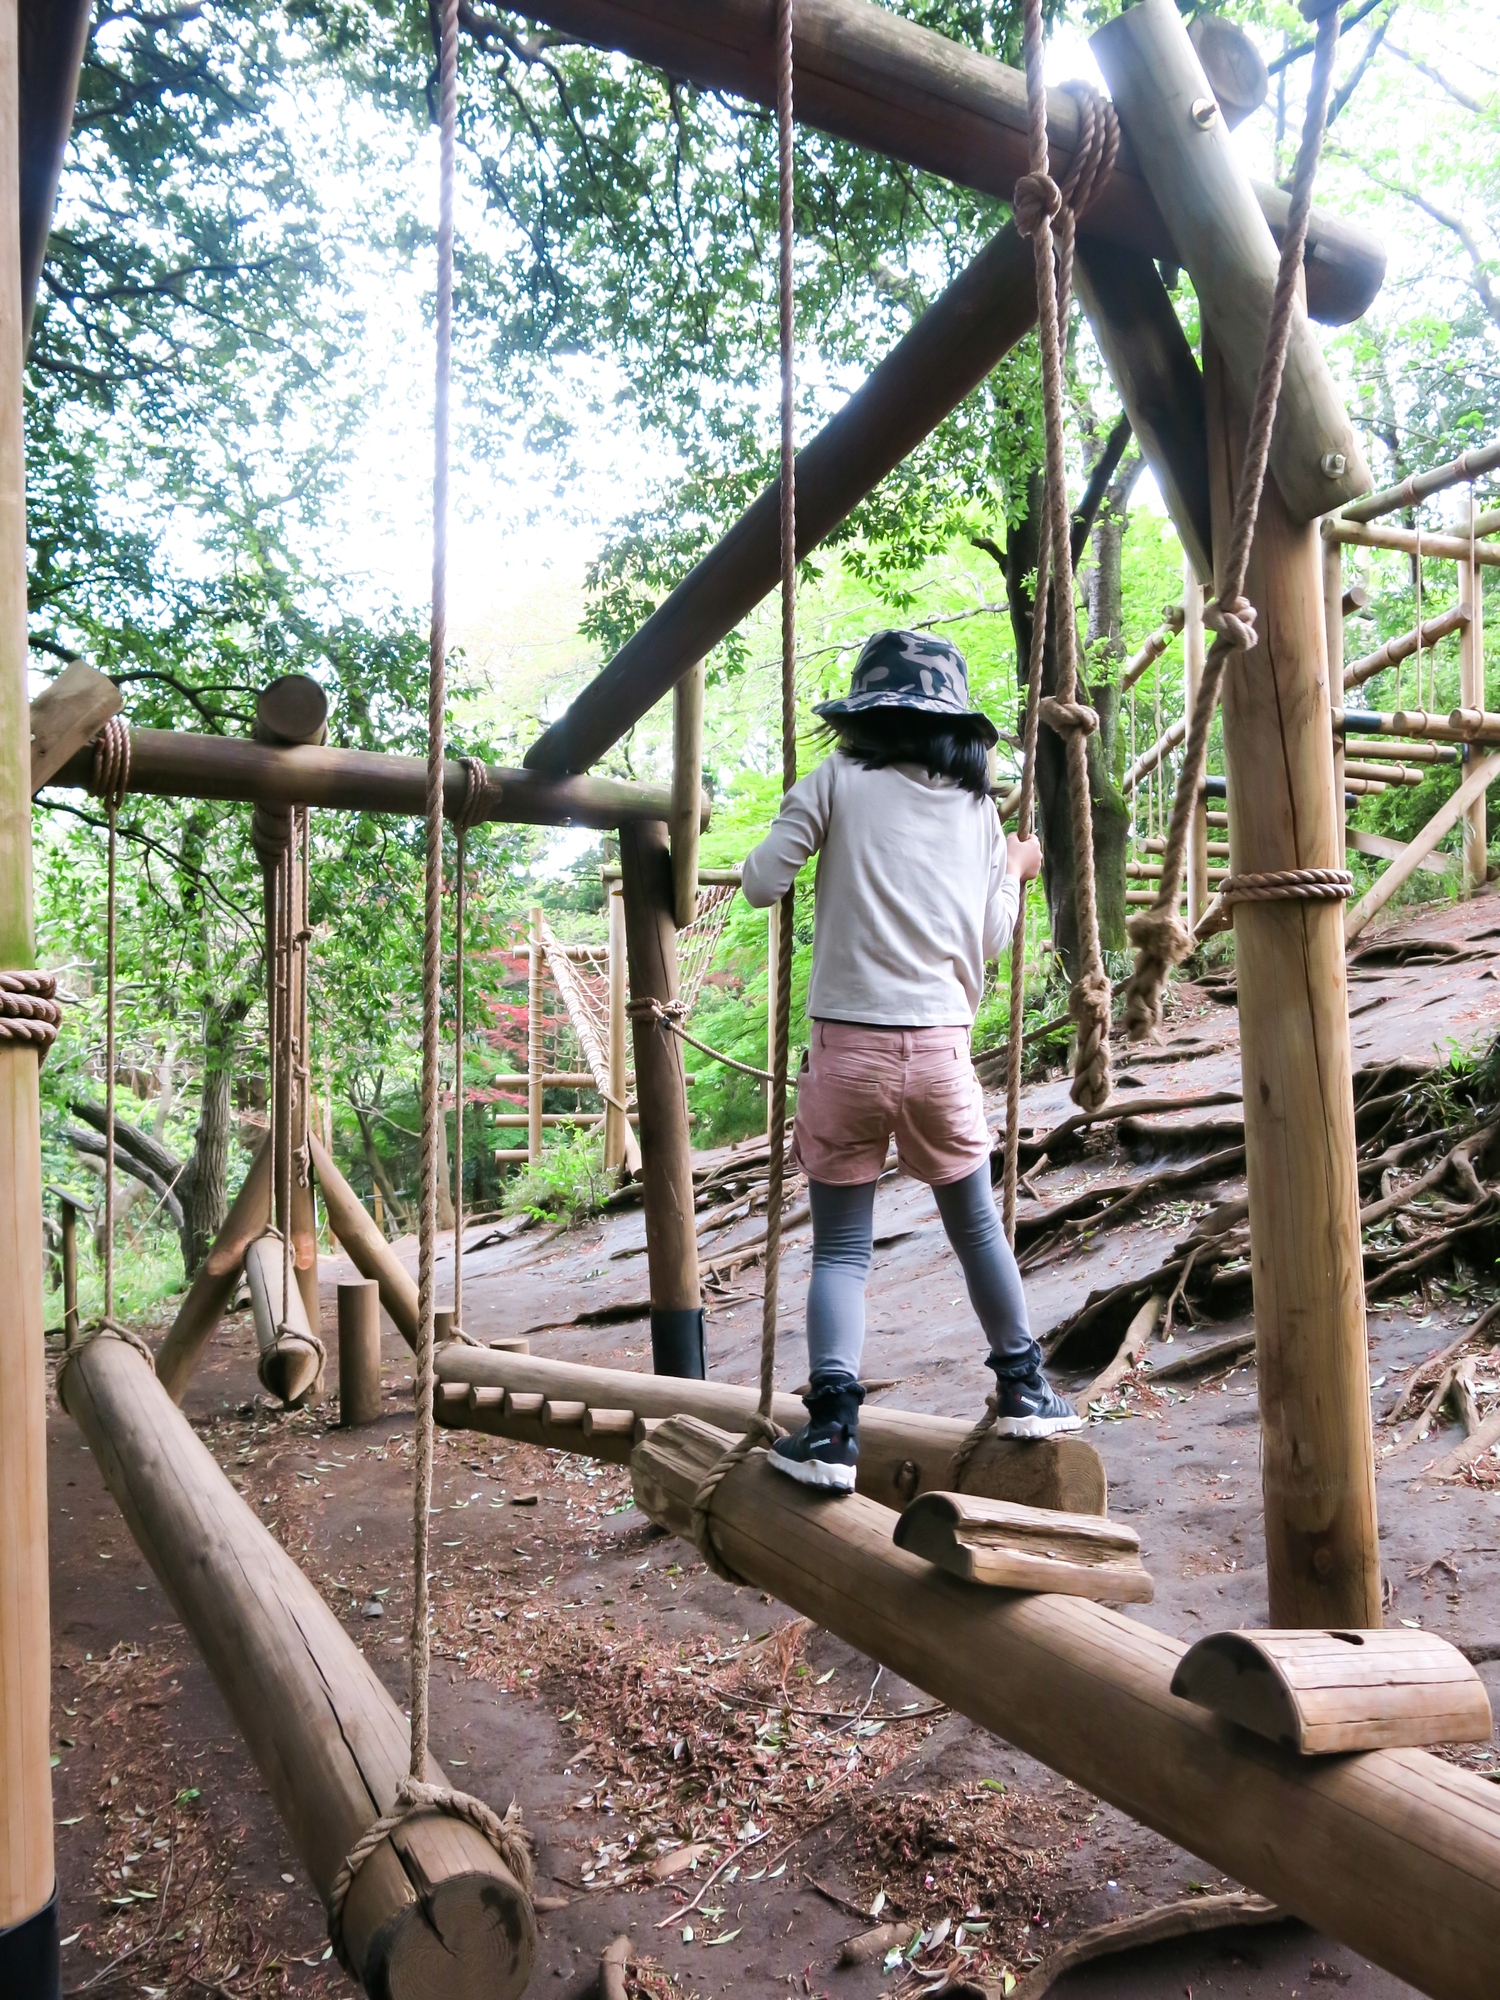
<point>917,888</point>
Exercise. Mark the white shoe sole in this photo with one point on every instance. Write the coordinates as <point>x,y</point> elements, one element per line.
<point>1036,1427</point>
<point>809,1472</point>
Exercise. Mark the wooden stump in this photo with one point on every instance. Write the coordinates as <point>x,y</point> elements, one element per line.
<point>359,1353</point>
<point>434,1910</point>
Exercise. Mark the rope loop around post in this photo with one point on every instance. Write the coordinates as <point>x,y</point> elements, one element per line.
<point>1299,885</point>
<point>505,1834</point>
<point>110,778</point>
<point>761,1431</point>
<point>30,1010</point>
<point>101,1329</point>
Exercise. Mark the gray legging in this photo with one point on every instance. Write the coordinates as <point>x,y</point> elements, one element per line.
<point>843,1227</point>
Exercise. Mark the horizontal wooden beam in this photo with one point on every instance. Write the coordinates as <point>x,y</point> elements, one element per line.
<point>862,73</point>
<point>175,764</point>
<point>1458,726</point>
<point>1403,646</point>
<point>1445,548</point>
<point>901,1453</point>
<point>1395,1853</point>
<point>949,351</point>
<point>1457,472</point>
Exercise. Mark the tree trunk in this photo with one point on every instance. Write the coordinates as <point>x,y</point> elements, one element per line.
<point>1111,818</point>
<point>206,1196</point>
<point>378,1176</point>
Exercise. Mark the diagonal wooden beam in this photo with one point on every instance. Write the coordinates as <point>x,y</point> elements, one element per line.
<point>52,36</point>
<point>864,74</point>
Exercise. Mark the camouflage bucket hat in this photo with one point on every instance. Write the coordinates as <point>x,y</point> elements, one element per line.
<point>909,670</point>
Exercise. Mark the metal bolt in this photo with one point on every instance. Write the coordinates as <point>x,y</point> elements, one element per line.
<point>1334,464</point>
<point>1205,111</point>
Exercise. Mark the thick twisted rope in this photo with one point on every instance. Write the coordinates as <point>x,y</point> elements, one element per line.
<point>1038,199</point>
<point>1302,885</point>
<point>761,1429</point>
<point>1161,938</point>
<point>471,810</point>
<point>29,1009</point>
<point>414,1794</point>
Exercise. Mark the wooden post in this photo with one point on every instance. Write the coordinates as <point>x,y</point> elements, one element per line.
<point>773,959</point>
<point>1396,1852</point>
<point>28,1904</point>
<point>69,1220</point>
<point>1193,659</point>
<point>687,789</point>
<point>534,1063</point>
<point>434,1910</point>
<point>666,1152</point>
<point>1322,1550</point>
<point>616,1124</point>
<point>215,1280</point>
<point>359,1353</point>
<point>1471,695</point>
<point>1333,628</point>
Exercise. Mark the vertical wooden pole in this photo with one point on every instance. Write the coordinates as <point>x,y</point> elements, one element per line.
<point>359,1352</point>
<point>773,957</point>
<point>28,1910</point>
<point>534,1044</point>
<point>666,1154</point>
<point>1471,695</point>
<point>1193,657</point>
<point>615,1123</point>
<point>1333,629</point>
<point>687,792</point>
<point>70,1271</point>
<point>1322,1551</point>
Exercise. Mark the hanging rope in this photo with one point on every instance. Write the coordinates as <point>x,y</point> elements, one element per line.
<point>761,1429</point>
<point>1038,199</point>
<point>415,1794</point>
<point>471,810</point>
<point>1159,934</point>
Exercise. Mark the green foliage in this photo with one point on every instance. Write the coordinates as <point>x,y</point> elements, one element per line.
<point>567,1182</point>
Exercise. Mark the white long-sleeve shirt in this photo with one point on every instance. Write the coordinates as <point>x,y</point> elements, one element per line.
<point>912,891</point>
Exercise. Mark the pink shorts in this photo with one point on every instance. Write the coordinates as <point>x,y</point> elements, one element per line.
<point>859,1085</point>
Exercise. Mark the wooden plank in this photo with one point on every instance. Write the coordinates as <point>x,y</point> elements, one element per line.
<point>1026,1548</point>
<point>1382,847</point>
<point>1192,166</point>
<point>1442,822</point>
<point>434,1910</point>
<point>901,1453</point>
<point>52,37</point>
<point>1395,1853</point>
<point>175,764</point>
<point>1312,1375</point>
<point>866,74</point>
<point>1320,1692</point>
<point>66,715</point>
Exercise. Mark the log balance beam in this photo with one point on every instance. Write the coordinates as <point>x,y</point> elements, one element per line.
<point>863,74</point>
<point>434,1910</point>
<point>597,1413</point>
<point>1394,1852</point>
<point>176,764</point>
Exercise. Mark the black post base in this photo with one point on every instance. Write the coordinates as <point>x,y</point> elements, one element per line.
<point>677,1342</point>
<point>30,1962</point>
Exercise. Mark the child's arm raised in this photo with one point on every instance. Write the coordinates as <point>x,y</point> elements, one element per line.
<point>1016,861</point>
<point>797,831</point>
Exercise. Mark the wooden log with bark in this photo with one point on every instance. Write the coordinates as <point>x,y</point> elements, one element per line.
<point>216,1278</point>
<point>434,1909</point>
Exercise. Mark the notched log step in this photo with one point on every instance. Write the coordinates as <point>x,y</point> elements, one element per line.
<point>1026,1548</point>
<point>1321,1692</point>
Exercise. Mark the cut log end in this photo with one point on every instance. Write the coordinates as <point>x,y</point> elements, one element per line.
<point>467,1937</point>
<point>292,1370</point>
<point>1026,1548</point>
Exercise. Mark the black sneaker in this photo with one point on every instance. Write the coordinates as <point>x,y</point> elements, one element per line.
<point>1029,1407</point>
<point>825,1452</point>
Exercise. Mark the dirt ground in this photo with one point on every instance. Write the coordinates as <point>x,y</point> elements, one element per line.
<point>641,1710</point>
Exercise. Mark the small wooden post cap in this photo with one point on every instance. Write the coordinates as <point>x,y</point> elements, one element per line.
<point>1321,1692</point>
<point>1026,1548</point>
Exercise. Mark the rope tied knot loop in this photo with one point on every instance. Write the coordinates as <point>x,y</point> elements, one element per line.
<point>505,1834</point>
<point>1302,885</point>
<point>1067,718</point>
<point>110,777</point>
<point>102,1329</point>
<point>30,1010</point>
<point>760,1432</point>
<point>473,806</point>
<point>1233,618</point>
<point>1037,199</point>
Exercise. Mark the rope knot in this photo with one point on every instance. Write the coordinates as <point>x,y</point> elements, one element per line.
<point>1036,200</point>
<point>29,1009</point>
<point>1162,940</point>
<point>111,772</point>
<point>1088,1009</point>
<point>1233,618</point>
<point>473,806</point>
<point>1067,718</point>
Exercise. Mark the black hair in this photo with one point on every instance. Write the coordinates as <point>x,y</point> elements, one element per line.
<point>946,746</point>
